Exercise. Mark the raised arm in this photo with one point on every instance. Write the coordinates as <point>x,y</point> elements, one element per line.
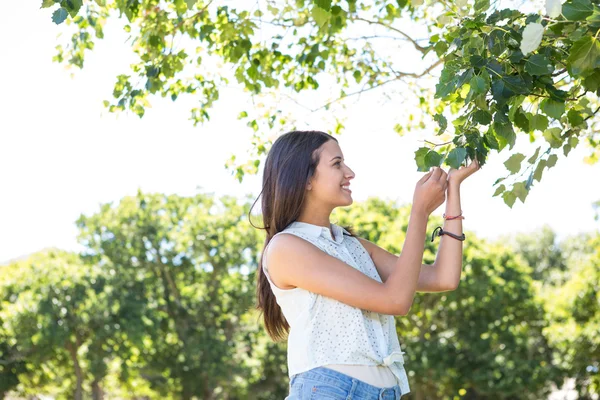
<point>429,195</point>
<point>450,252</point>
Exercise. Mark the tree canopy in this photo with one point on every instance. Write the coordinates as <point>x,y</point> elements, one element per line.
<point>503,72</point>
<point>159,305</point>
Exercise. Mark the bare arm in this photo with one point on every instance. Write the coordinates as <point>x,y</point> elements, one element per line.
<point>404,277</point>
<point>450,252</point>
<point>430,193</point>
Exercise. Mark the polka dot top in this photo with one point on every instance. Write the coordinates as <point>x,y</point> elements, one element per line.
<point>325,331</point>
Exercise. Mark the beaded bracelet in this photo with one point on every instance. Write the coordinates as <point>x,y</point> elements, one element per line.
<point>443,232</point>
<point>451,218</point>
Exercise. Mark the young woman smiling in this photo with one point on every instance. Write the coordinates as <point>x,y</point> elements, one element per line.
<point>334,293</point>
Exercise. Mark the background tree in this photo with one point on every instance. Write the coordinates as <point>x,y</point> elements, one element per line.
<point>541,252</point>
<point>484,340</point>
<point>573,311</point>
<point>160,305</point>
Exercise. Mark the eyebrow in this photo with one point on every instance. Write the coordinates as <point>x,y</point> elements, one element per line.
<point>335,158</point>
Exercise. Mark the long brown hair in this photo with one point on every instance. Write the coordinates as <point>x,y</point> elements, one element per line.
<point>290,163</point>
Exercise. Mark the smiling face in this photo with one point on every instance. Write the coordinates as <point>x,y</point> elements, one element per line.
<point>331,183</point>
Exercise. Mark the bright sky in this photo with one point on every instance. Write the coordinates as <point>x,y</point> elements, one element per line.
<point>61,157</point>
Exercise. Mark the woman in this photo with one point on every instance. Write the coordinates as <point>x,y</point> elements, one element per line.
<point>336,293</point>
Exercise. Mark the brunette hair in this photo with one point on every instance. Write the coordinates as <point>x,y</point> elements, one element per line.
<point>290,163</point>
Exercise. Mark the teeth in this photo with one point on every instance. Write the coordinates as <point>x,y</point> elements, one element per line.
<point>346,187</point>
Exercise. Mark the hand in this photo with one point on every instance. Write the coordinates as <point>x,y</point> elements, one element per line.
<point>430,192</point>
<point>456,176</point>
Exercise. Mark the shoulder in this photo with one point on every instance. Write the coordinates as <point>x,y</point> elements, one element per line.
<point>287,242</point>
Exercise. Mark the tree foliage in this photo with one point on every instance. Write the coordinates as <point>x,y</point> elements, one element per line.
<point>504,72</point>
<point>160,305</point>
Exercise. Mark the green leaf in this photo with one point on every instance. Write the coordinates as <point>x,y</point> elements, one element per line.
<point>190,4</point>
<point>443,89</point>
<point>420,159</point>
<point>552,108</point>
<point>59,16</point>
<point>539,122</point>
<point>552,160</point>
<point>433,159</point>
<point>517,84</point>
<point>520,190</point>
<point>499,190</point>
<point>552,136</point>
<point>496,42</point>
<point>442,122</point>
<point>583,56</point>
<point>320,15</point>
<point>574,117</point>
<point>521,120</point>
<point>537,175</point>
<point>594,19</point>
<point>516,56</point>
<point>513,164</point>
<point>477,84</point>
<point>323,4</point>
<point>465,76</point>
<point>72,6</point>
<point>577,10</point>
<point>557,94</point>
<point>538,64</point>
<point>505,134</point>
<point>456,157</point>
<point>47,3</point>
<point>180,7</point>
<point>490,140</point>
<point>482,117</point>
<point>535,155</point>
<point>481,6</point>
<point>592,82</point>
<point>477,61</point>
<point>573,141</point>
<point>504,87</point>
<point>509,198</point>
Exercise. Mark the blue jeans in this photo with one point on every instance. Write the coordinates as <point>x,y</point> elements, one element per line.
<point>325,383</point>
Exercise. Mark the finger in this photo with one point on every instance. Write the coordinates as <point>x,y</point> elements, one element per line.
<point>437,172</point>
<point>444,175</point>
<point>426,176</point>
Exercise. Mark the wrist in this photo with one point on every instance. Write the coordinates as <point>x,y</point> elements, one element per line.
<point>419,212</point>
<point>453,185</point>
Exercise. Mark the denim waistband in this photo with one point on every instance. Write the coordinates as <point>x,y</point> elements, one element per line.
<point>354,386</point>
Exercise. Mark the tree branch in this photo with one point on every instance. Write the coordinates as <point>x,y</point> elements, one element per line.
<point>397,77</point>
<point>414,42</point>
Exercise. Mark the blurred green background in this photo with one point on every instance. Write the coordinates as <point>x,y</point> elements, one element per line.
<point>160,305</point>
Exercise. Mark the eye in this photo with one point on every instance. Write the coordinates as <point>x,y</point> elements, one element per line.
<point>337,163</point>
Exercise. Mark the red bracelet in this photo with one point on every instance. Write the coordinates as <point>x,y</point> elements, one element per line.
<point>451,218</point>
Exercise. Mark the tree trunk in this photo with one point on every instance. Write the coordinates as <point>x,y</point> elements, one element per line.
<point>97,392</point>
<point>78,373</point>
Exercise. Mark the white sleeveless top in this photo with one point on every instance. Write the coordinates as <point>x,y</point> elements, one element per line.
<point>328,333</point>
